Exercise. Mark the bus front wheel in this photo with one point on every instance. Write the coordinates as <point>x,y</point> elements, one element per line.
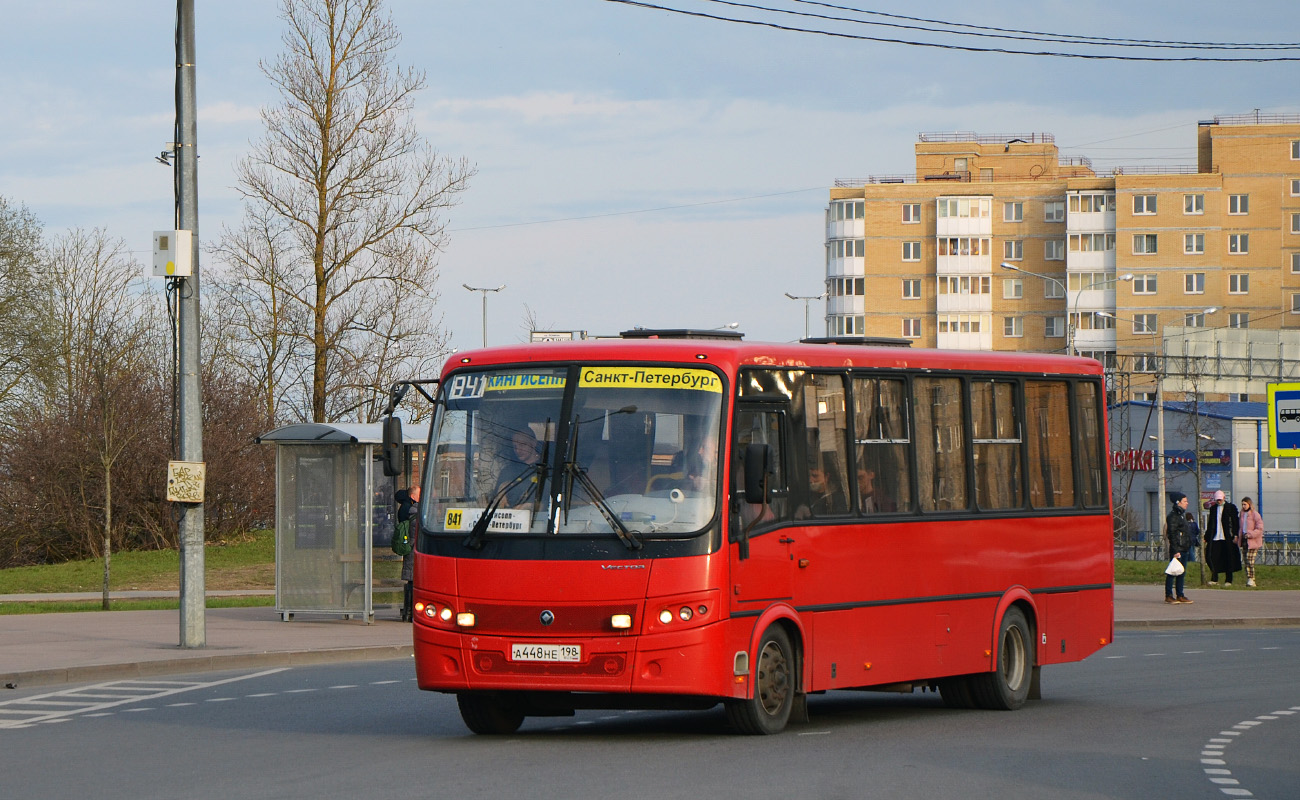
<point>1007,687</point>
<point>775,677</point>
<point>487,714</point>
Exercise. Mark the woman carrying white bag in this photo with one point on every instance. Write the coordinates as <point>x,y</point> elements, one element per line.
<point>1180,540</point>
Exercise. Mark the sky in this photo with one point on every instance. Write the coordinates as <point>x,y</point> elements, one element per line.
<point>636,167</point>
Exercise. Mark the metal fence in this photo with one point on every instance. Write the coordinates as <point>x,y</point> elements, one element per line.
<point>1281,548</point>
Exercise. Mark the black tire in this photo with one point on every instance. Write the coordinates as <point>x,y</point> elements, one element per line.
<point>1007,687</point>
<point>776,681</point>
<point>487,714</point>
<point>956,692</point>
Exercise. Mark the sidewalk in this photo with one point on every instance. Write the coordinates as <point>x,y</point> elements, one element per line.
<point>44,649</point>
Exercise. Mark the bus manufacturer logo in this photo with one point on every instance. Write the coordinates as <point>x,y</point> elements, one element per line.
<point>547,617</point>
<point>622,566</point>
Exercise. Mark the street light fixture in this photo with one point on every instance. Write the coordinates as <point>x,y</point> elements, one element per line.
<point>484,291</point>
<point>1073,308</point>
<point>806,299</point>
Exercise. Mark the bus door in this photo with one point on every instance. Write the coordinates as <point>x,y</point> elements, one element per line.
<point>765,573</point>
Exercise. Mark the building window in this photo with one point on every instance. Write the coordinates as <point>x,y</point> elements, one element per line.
<point>1054,211</point>
<point>1144,362</point>
<point>912,289</point>
<point>1295,187</point>
<point>959,165</point>
<point>911,213</point>
<point>964,206</point>
<point>1239,320</point>
<point>965,284</point>
<point>1053,289</point>
<point>965,246</point>
<point>1295,223</point>
<point>1295,151</point>
<point>850,326</point>
<point>1238,204</point>
<point>1013,212</point>
<point>1193,243</point>
<point>1239,243</point>
<point>1239,284</point>
<point>986,174</point>
<point>1054,250</point>
<point>847,287</point>
<point>911,251</point>
<point>1295,263</point>
<point>1193,204</point>
<point>1144,243</point>
<point>845,209</point>
<point>1013,250</point>
<point>1013,327</point>
<point>1091,242</point>
<point>1295,303</point>
<point>1013,288</point>
<point>846,248</point>
<point>1196,320</point>
<point>1144,204</point>
<point>912,328</point>
<point>1144,284</point>
<point>1194,283</point>
<point>960,323</point>
<point>1054,327</point>
<point>1144,323</point>
<point>1091,203</point>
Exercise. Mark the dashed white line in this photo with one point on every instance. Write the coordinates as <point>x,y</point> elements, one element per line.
<point>1216,770</point>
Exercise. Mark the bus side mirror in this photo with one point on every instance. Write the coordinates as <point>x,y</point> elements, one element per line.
<point>758,460</point>
<point>390,453</point>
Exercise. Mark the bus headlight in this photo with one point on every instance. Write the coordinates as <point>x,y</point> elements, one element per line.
<point>465,619</point>
<point>666,616</point>
<point>620,621</point>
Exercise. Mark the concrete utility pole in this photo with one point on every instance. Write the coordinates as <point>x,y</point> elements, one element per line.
<point>190,526</point>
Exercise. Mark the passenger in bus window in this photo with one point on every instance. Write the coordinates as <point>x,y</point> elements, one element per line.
<point>524,454</point>
<point>871,495</point>
<point>825,493</point>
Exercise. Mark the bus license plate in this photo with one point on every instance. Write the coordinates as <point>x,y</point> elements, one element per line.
<point>545,652</point>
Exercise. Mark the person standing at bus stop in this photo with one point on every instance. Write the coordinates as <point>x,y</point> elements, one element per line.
<point>1222,527</point>
<point>409,511</point>
<point>1252,536</point>
<point>1180,541</point>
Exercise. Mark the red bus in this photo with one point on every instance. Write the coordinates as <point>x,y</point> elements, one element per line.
<point>674,521</point>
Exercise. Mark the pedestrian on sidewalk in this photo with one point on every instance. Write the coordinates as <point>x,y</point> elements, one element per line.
<point>1222,527</point>
<point>1180,541</point>
<point>408,560</point>
<point>1252,536</point>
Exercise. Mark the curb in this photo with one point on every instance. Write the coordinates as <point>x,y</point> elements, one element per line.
<point>205,663</point>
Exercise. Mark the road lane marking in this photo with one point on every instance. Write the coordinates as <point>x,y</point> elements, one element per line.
<point>141,691</point>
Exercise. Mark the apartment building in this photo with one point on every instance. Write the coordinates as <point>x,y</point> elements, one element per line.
<point>998,242</point>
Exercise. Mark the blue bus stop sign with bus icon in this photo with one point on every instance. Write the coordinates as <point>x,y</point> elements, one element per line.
<point>1283,419</point>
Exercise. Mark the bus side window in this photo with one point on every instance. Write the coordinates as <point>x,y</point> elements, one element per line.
<point>820,422</point>
<point>940,443</point>
<point>762,427</point>
<point>883,480</point>
<point>1047,430</point>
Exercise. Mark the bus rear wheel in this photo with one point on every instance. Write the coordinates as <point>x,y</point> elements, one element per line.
<point>1007,687</point>
<point>775,678</point>
<point>488,714</point>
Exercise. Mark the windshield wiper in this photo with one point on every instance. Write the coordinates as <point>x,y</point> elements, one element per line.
<point>574,472</point>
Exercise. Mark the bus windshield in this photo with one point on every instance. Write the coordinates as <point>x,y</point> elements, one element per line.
<point>599,450</point>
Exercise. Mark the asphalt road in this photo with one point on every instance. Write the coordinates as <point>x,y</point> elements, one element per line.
<point>1185,714</point>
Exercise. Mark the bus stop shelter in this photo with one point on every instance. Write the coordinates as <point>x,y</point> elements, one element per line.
<point>333,508</point>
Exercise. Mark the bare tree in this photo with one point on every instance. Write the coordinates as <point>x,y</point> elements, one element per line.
<point>105,343</point>
<point>346,207</point>
<point>22,329</point>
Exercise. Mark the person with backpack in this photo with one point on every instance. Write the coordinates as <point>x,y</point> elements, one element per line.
<point>404,536</point>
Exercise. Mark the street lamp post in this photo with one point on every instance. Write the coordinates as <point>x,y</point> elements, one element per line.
<point>484,291</point>
<point>1072,309</point>
<point>806,299</point>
